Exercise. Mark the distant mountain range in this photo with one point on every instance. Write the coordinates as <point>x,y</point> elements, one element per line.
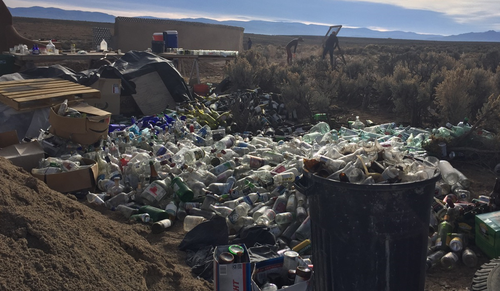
<point>262,27</point>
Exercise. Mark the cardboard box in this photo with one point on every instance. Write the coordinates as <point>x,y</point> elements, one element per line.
<point>488,233</point>
<point>236,276</point>
<point>78,180</point>
<point>275,266</point>
<point>86,130</point>
<point>25,155</point>
<point>110,95</point>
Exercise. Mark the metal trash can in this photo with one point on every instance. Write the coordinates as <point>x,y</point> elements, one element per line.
<point>368,237</point>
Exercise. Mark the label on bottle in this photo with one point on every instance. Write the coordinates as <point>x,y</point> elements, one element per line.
<point>154,191</point>
<point>278,169</point>
<point>287,177</point>
<point>256,162</point>
<point>233,217</point>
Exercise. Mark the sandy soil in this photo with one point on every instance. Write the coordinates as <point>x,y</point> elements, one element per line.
<point>51,241</point>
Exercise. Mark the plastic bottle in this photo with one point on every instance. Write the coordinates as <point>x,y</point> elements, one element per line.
<point>191,221</point>
<point>50,48</point>
<point>103,46</point>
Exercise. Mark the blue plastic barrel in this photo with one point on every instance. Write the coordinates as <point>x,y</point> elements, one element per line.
<point>170,38</point>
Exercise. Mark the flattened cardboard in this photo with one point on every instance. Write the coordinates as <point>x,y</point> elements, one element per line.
<point>236,276</point>
<point>84,131</point>
<point>25,155</point>
<point>83,179</point>
<point>110,95</point>
<point>8,138</point>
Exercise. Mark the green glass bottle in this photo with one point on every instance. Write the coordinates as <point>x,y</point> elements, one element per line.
<point>156,214</point>
<point>182,190</point>
<point>444,228</point>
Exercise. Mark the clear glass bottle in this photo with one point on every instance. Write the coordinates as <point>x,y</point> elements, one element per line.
<point>157,193</point>
<point>238,212</point>
<point>450,260</point>
<point>357,124</point>
<point>469,258</point>
<point>191,221</point>
<point>117,188</point>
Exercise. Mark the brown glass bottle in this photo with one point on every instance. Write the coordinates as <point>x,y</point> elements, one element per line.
<point>154,175</point>
<point>495,196</point>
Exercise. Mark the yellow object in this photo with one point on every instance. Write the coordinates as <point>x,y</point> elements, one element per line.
<point>302,245</point>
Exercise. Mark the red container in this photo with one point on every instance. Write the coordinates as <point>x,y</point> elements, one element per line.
<point>158,36</point>
<point>201,89</point>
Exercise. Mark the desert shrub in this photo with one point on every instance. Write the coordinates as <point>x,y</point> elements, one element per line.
<point>481,88</point>
<point>488,116</point>
<point>386,63</point>
<point>383,93</point>
<point>296,94</point>
<point>241,73</point>
<point>409,95</point>
<point>269,78</point>
<point>491,60</point>
<point>452,97</point>
<point>496,81</point>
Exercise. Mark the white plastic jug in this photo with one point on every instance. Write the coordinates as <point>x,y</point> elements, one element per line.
<point>104,45</point>
<point>50,48</point>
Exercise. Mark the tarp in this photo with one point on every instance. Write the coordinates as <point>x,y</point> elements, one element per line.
<point>157,83</point>
<point>153,81</point>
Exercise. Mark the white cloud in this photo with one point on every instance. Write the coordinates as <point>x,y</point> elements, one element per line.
<point>462,11</point>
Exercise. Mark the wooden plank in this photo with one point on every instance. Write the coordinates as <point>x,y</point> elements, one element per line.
<point>64,91</point>
<point>42,80</point>
<point>91,93</point>
<point>40,93</point>
<point>25,87</point>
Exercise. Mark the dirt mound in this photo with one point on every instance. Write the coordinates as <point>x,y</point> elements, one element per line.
<point>50,241</point>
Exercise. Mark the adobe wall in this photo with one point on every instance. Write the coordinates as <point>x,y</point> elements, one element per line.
<point>137,33</point>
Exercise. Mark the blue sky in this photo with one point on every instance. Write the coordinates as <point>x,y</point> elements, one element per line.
<point>444,17</point>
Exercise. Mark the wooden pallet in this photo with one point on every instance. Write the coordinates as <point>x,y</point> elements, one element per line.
<point>39,93</point>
